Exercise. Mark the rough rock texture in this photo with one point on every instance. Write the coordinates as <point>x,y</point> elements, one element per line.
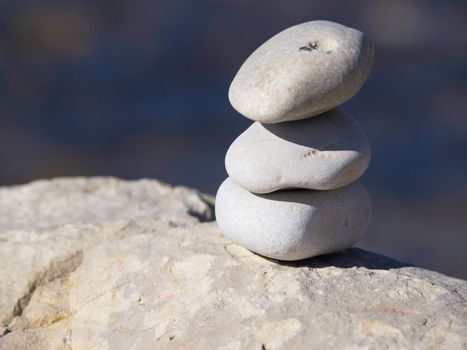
<point>321,153</point>
<point>293,224</point>
<point>108,264</point>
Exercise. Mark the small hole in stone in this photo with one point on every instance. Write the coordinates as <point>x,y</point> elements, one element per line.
<point>324,46</point>
<point>312,45</point>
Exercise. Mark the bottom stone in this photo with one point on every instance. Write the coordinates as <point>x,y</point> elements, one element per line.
<point>293,224</point>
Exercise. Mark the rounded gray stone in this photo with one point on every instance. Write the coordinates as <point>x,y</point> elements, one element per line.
<point>301,72</point>
<point>293,224</point>
<point>322,153</point>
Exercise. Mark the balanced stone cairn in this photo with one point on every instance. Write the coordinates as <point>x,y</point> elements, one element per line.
<point>292,191</point>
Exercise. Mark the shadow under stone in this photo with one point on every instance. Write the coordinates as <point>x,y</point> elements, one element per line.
<point>330,131</point>
<point>353,257</point>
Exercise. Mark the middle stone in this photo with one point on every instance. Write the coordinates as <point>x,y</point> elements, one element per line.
<point>322,153</point>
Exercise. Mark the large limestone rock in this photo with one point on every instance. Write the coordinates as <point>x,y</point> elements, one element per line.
<point>109,264</point>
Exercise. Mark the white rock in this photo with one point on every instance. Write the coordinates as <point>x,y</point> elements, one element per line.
<point>45,225</point>
<point>322,153</point>
<point>293,224</point>
<point>301,72</point>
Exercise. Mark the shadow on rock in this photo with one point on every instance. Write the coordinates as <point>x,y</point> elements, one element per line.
<point>353,257</point>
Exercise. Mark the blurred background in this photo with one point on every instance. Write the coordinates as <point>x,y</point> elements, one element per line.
<point>139,89</point>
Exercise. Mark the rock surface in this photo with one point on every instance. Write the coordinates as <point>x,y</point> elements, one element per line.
<point>321,153</point>
<point>301,72</point>
<point>107,264</point>
<point>293,224</point>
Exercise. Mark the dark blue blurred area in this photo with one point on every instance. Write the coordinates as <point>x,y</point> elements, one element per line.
<point>139,89</point>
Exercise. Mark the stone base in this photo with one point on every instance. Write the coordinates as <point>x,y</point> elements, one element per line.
<point>108,264</point>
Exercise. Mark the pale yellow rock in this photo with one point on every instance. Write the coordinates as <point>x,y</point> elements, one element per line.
<point>124,276</point>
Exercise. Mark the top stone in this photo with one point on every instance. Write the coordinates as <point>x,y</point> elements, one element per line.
<point>301,72</point>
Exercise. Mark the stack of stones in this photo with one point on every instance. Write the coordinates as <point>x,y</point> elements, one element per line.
<point>292,191</point>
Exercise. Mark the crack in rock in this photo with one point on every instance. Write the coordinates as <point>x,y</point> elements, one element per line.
<point>207,214</point>
<point>57,269</point>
